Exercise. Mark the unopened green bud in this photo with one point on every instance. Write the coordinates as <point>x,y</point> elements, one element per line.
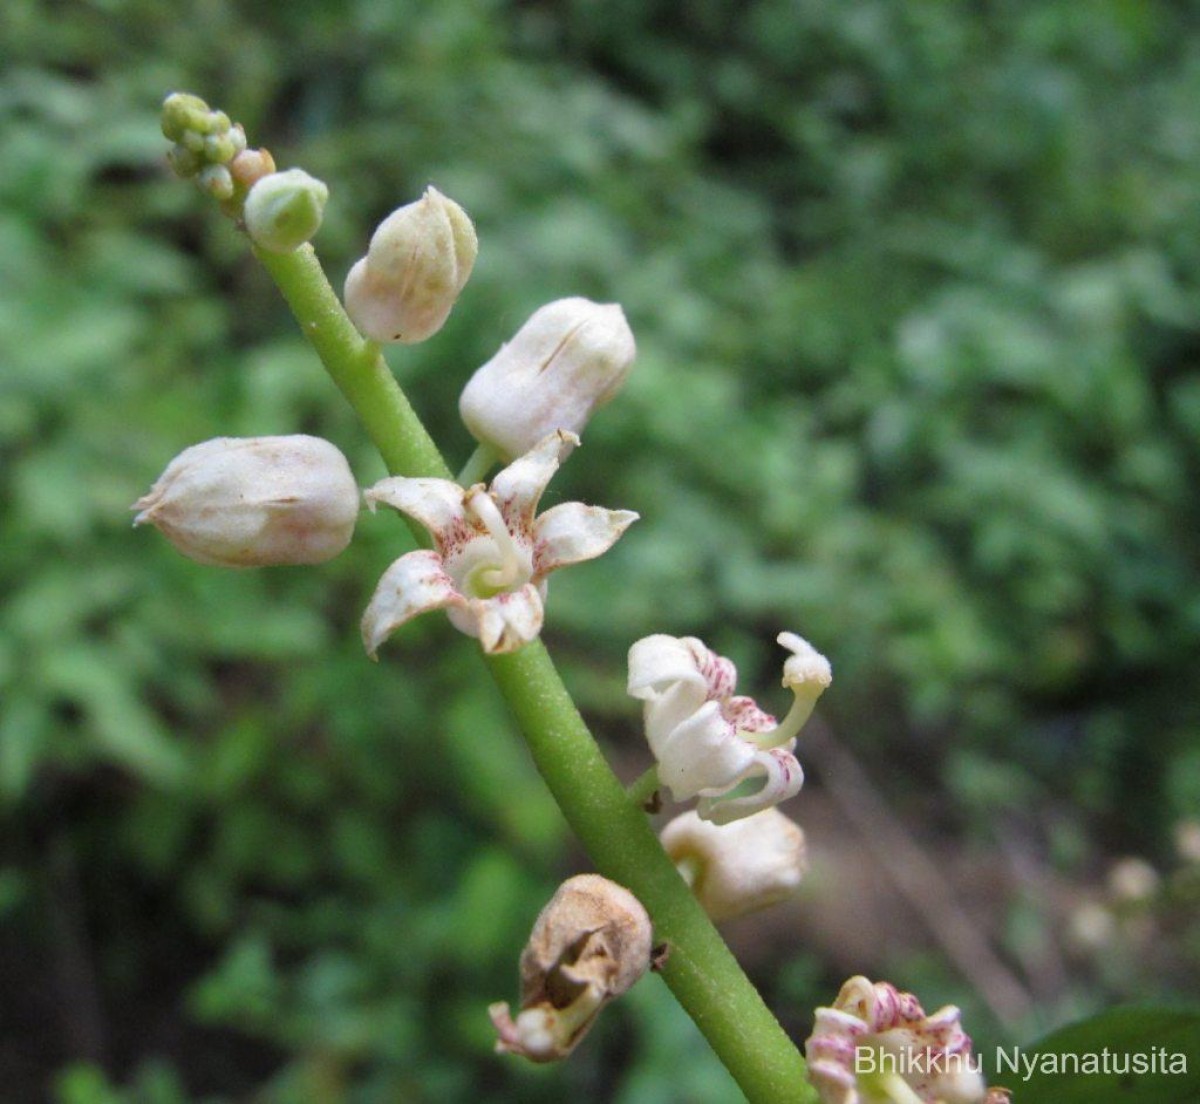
<point>570,357</point>
<point>216,181</point>
<point>181,112</point>
<point>218,148</point>
<point>204,140</point>
<point>284,210</point>
<point>417,263</point>
<point>184,161</point>
<point>255,501</point>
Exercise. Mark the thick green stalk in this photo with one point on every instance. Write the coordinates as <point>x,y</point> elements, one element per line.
<point>701,971</point>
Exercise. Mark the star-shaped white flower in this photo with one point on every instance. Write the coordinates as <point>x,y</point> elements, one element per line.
<point>876,1045</point>
<point>492,551</point>
<point>706,740</point>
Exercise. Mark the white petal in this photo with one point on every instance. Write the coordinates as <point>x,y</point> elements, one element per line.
<point>518,487</point>
<point>573,532</point>
<point>435,503</point>
<point>657,662</point>
<point>701,755</point>
<point>783,778</point>
<point>663,673</point>
<point>504,622</point>
<point>414,584</point>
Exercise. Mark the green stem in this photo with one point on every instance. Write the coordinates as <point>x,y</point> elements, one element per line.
<point>700,969</point>
<point>477,466</point>
<point>644,787</point>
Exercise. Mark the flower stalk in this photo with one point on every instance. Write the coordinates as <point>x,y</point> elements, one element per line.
<point>700,969</point>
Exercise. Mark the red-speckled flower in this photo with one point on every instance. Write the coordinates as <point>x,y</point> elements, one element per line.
<point>877,1046</point>
<point>707,741</point>
<point>492,551</point>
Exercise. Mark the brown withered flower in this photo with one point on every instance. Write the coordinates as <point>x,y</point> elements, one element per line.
<point>589,944</point>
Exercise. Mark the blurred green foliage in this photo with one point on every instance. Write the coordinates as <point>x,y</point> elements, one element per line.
<point>916,289</point>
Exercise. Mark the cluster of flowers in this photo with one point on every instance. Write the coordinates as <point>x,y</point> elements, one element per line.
<point>293,500</point>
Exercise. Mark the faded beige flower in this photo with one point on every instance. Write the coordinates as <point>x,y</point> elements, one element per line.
<point>588,946</point>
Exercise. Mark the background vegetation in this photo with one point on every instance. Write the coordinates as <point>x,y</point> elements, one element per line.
<point>917,295</point>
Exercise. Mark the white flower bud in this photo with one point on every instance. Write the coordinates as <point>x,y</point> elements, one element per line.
<point>255,501</point>
<point>570,357</point>
<point>418,261</point>
<point>588,945</point>
<point>284,209</point>
<point>738,867</point>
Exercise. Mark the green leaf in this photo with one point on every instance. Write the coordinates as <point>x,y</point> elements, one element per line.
<point>119,725</point>
<point>22,741</point>
<point>1152,1056</point>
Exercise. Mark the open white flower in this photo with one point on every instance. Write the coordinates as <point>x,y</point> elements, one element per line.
<point>492,551</point>
<point>877,1046</point>
<point>706,740</point>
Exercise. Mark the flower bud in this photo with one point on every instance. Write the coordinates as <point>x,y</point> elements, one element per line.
<point>216,181</point>
<point>255,501</point>
<point>570,357</point>
<point>183,113</point>
<point>283,210</point>
<point>738,867</point>
<point>417,263</point>
<point>204,139</point>
<point>588,945</point>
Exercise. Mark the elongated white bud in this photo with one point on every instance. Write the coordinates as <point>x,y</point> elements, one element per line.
<point>418,261</point>
<point>255,501</point>
<point>570,357</point>
<point>284,209</point>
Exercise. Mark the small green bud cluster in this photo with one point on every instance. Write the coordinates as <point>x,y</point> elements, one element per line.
<point>205,143</point>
